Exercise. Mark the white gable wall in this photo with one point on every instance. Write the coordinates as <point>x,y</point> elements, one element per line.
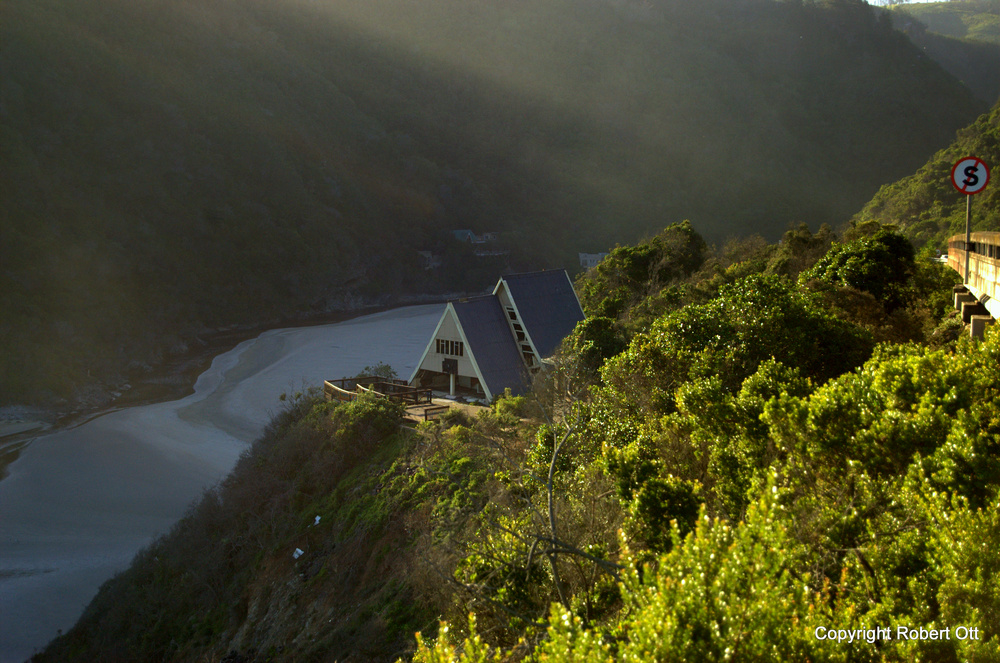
<point>448,330</point>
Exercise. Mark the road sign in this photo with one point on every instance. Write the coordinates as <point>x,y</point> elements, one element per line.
<point>970,175</point>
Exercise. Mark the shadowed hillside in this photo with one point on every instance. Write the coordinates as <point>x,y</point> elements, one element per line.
<point>926,205</point>
<point>977,20</point>
<point>175,167</point>
<point>963,37</point>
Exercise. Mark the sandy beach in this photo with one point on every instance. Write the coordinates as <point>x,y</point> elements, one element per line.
<point>79,503</point>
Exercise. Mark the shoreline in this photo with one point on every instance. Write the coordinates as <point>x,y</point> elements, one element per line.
<point>79,503</point>
<point>172,379</point>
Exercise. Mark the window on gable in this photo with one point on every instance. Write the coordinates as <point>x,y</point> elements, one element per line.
<point>454,348</point>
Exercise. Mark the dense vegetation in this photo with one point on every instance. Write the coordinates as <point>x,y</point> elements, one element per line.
<point>927,207</point>
<point>170,168</point>
<point>760,499</point>
<point>226,579</point>
<point>723,461</point>
<point>963,37</point>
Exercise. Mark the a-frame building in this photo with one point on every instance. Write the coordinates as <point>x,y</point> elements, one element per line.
<point>483,345</point>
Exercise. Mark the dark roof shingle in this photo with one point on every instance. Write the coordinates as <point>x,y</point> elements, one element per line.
<point>547,305</point>
<point>485,326</point>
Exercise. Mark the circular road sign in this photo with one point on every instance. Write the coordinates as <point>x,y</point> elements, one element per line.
<point>970,175</point>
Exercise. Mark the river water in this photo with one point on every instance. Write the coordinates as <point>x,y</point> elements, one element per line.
<point>79,503</point>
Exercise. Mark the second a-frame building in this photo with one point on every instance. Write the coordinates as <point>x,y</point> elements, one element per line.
<point>483,345</point>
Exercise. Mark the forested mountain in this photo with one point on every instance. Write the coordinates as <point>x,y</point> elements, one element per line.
<point>926,205</point>
<point>171,167</point>
<point>974,20</point>
<point>739,451</point>
<point>963,37</point>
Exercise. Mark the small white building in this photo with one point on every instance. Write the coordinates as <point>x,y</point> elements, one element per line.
<point>590,260</point>
<point>483,345</point>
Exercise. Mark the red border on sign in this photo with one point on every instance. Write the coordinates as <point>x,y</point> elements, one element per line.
<point>979,162</point>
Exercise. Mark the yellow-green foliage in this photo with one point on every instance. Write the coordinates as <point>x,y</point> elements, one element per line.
<point>751,321</point>
<point>447,649</point>
<point>876,507</point>
<point>629,274</point>
<point>725,593</point>
<point>964,542</point>
<point>881,265</point>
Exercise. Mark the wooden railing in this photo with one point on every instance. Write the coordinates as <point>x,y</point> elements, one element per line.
<point>333,392</point>
<point>351,384</point>
<point>435,411</point>
<point>398,391</point>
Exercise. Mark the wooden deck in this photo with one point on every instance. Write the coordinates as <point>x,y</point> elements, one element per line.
<point>437,407</point>
<point>419,403</point>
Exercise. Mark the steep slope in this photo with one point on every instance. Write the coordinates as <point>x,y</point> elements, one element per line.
<point>174,167</point>
<point>227,578</point>
<point>926,205</point>
<point>694,499</point>
<point>963,37</point>
<point>977,20</point>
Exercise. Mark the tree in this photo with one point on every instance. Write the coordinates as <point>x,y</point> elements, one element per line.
<point>751,321</point>
<point>881,264</point>
<point>629,274</point>
<point>379,370</point>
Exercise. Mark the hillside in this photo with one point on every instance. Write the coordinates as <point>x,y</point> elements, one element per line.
<point>226,579</point>
<point>963,37</point>
<point>726,479</point>
<point>926,205</point>
<point>170,168</point>
<point>975,20</point>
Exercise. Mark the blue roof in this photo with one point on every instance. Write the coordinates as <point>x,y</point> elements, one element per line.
<point>485,326</point>
<point>547,305</point>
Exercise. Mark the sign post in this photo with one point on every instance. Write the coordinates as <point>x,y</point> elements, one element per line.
<point>970,176</point>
